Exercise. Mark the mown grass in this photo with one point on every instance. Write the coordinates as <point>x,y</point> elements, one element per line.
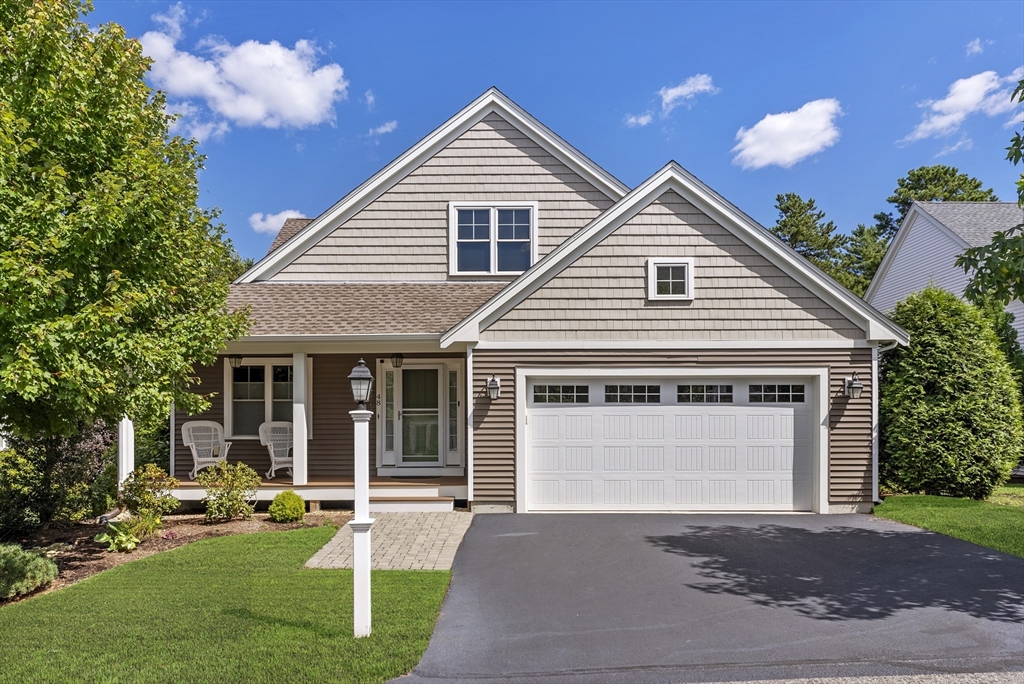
<point>233,609</point>
<point>994,525</point>
<point>1010,494</point>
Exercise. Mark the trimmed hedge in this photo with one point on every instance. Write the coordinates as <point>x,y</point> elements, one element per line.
<point>950,411</point>
<point>22,572</point>
<point>287,507</point>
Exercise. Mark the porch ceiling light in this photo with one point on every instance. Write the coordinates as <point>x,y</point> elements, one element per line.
<point>396,360</point>
<point>853,387</point>
<point>235,360</point>
<point>362,384</point>
<point>494,387</point>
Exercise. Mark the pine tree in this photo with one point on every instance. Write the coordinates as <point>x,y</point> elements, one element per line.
<point>803,227</point>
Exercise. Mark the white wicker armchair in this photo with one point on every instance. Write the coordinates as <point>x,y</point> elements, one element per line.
<point>205,438</point>
<point>276,435</point>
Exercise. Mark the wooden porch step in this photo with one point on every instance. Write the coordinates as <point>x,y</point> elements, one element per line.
<point>419,504</point>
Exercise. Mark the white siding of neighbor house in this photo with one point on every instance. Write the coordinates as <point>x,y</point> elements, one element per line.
<point>738,294</point>
<point>403,235</point>
<point>927,255</point>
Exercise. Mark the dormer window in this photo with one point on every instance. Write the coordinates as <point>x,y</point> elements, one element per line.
<point>491,239</point>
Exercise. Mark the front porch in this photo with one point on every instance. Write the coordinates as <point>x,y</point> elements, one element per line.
<point>387,494</point>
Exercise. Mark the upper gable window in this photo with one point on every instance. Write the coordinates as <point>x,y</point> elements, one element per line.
<point>669,278</point>
<point>486,238</point>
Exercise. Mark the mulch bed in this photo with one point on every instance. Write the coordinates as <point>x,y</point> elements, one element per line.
<point>77,556</point>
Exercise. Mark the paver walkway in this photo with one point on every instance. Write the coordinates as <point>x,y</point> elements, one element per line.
<point>401,541</point>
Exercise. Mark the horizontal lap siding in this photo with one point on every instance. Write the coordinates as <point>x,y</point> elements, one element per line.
<point>850,433</point>
<point>403,235</point>
<point>331,445</point>
<point>738,294</point>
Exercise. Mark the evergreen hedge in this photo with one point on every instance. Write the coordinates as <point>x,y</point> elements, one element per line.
<point>950,411</point>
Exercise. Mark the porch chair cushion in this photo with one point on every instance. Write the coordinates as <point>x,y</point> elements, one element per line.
<point>276,435</point>
<point>205,438</point>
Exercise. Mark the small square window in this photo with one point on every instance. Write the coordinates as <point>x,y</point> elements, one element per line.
<point>669,278</point>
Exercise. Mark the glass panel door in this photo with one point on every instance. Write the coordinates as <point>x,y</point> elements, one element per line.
<point>420,415</point>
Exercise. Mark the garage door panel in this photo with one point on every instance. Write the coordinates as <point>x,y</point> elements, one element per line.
<point>736,456</point>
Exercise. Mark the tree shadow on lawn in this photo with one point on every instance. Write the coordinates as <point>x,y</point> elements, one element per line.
<point>848,573</point>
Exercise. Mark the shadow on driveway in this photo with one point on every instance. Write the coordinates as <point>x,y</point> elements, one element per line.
<point>853,575</point>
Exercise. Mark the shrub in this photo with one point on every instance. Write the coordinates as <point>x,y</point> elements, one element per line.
<point>119,536</point>
<point>287,507</point>
<point>950,412</point>
<point>229,490</point>
<point>147,492</point>
<point>22,572</point>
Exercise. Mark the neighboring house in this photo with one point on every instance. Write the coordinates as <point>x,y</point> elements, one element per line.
<point>656,349</point>
<point>927,244</point>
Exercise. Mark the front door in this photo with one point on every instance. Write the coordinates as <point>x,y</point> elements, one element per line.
<point>420,415</point>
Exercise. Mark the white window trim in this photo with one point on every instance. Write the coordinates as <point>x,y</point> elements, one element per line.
<point>453,231</point>
<point>652,277</point>
<point>266,362</point>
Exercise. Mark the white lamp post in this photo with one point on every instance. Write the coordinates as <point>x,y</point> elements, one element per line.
<point>362,385</point>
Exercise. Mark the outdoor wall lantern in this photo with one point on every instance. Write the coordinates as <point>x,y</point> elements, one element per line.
<point>396,360</point>
<point>362,383</point>
<point>235,360</point>
<point>853,387</point>
<point>494,387</point>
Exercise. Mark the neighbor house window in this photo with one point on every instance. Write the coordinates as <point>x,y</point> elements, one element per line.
<point>492,239</point>
<point>669,278</point>
<point>776,394</point>
<point>704,394</point>
<point>261,390</point>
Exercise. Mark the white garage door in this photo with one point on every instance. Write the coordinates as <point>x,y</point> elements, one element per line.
<point>678,445</point>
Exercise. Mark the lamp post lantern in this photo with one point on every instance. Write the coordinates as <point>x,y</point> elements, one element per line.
<point>362,385</point>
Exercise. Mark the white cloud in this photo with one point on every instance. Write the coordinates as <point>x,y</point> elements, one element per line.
<point>638,120</point>
<point>964,143</point>
<point>271,223</point>
<point>685,92</point>
<point>386,127</point>
<point>974,47</point>
<point>789,137</point>
<point>370,100</point>
<point>986,93</point>
<point>251,84</point>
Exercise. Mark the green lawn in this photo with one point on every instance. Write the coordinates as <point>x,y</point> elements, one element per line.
<point>995,525</point>
<point>1011,494</point>
<point>233,609</point>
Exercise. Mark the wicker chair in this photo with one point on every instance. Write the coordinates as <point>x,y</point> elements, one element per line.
<point>205,438</point>
<point>276,435</point>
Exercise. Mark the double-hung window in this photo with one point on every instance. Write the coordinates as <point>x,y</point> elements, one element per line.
<point>260,390</point>
<point>492,239</point>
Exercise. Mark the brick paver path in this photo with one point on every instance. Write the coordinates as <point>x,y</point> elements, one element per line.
<point>401,541</point>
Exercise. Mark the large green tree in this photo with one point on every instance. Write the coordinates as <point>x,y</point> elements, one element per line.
<point>864,252</point>
<point>997,269</point>
<point>939,182</point>
<point>113,281</point>
<point>802,226</point>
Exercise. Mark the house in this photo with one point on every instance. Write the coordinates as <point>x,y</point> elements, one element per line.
<point>930,238</point>
<point>648,349</point>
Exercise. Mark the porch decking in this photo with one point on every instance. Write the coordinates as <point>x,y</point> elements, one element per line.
<point>387,494</point>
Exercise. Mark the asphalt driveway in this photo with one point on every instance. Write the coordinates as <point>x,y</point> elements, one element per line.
<point>681,598</point>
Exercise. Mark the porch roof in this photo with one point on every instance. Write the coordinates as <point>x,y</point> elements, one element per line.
<point>358,308</point>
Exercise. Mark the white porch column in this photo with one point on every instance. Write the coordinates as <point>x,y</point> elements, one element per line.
<point>299,431</point>
<point>361,525</point>
<point>125,449</point>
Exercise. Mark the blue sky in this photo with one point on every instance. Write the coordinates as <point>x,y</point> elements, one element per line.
<point>296,103</point>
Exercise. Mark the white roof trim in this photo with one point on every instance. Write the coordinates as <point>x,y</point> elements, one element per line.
<point>673,177</point>
<point>915,216</point>
<point>492,101</point>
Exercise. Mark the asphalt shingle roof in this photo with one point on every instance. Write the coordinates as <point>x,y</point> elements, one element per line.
<point>975,222</point>
<point>288,230</point>
<point>358,308</point>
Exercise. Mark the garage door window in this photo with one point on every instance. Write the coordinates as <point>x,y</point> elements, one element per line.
<point>704,394</point>
<point>561,394</point>
<point>632,394</point>
<point>776,394</point>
